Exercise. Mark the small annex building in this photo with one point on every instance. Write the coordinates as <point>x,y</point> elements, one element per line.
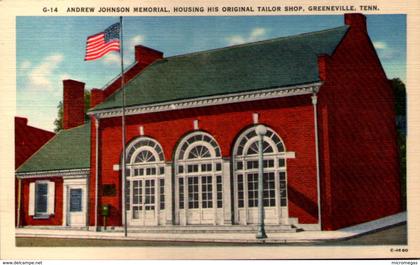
<point>330,151</point>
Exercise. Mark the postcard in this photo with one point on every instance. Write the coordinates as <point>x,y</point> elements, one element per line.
<point>209,130</point>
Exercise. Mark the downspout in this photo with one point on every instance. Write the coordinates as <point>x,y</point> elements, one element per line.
<point>19,201</point>
<point>96,170</point>
<point>318,184</point>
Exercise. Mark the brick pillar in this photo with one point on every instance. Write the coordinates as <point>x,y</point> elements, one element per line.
<point>73,103</point>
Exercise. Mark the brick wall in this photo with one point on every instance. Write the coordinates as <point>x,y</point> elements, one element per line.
<point>360,179</point>
<point>291,118</point>
<point>57,217</point>
<point>28,140</point>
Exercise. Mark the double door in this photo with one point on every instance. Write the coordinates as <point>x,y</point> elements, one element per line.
<point>201,208</point>
<point>143,210</point>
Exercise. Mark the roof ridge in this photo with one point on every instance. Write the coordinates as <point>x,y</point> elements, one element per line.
<point>256,42</point>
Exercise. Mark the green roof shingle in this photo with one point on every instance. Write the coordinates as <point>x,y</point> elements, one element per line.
<point>69,149</point>
<point>279,62</point>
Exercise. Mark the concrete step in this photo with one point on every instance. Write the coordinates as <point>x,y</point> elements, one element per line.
<point>175,229</point>
<point>192,229</point>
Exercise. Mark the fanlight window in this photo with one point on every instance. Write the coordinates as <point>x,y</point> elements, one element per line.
<point>198,146</point>
<point>151,151</point>
<point>248,143</point>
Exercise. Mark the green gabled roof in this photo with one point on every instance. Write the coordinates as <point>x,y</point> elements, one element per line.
<point>279,62</point>
<point>68,149</point>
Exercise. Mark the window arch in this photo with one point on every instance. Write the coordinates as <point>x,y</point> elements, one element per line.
<point>142,148</point>
<point>245,168</point>
<point>198,173</point>
<point>145,180</point>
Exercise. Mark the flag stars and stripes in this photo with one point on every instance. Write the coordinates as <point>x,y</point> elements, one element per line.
<point>100,44</point>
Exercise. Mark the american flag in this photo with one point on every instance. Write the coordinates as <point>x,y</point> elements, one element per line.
<point>100,44</point>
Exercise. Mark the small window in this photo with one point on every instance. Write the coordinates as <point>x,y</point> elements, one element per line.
<point>181,192</point>
<point>240,191</point>
<point>239,165</point>
<point>219,192</point>
<point>75,200</point>
<point>282,163</point>
<point>41,199</point>
<point>162,193</point>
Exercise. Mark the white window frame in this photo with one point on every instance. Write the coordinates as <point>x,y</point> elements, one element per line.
<point>274,140</point>
<point>181,159</point>
<point>50,199</point>
<point>133,167</point>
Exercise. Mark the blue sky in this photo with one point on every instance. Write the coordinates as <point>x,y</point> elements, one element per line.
<point>50,49</point>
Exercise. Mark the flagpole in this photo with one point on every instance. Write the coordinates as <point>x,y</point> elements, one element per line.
<point>124,177</point>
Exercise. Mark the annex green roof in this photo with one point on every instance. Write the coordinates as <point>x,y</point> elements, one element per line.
<point>68,149</point>
<point>279,62</point>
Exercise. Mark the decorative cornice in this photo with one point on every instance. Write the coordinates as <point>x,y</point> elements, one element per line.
<point>54,173</point>
<point>211,101</point>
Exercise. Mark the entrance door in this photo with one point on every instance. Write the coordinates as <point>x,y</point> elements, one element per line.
<point>75,202</point>
<point>143,210</point>
<point>200,200</point>
<point>76,214</point>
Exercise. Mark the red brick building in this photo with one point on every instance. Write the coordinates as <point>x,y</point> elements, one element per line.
<point>330,153</point>
<point>28,140</point>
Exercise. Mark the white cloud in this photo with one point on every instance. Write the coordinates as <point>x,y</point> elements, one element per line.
<point>112,58</point>
<point>25,65</point>
<point>385,52</point>
<point>43,73</point>
<point>65,76</point>
<point>380,45</point>
<point>136,40</point>
<point>255,35</point>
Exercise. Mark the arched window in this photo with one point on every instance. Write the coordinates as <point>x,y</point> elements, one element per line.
<point>198,184</point>
<point>145,183</point>
<point>245,165</point>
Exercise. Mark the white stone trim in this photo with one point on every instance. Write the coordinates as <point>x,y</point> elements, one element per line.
<point>54,173</point>
<point>211,100</point>
<point>290,155</point>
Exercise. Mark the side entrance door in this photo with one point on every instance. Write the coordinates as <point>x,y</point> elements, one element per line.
<point>75,203</point>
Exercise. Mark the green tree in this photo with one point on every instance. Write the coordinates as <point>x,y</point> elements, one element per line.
<point>58,122</point>
<point>400,96</point>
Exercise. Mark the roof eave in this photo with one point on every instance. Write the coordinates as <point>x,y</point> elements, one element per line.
<point>278,92</point>
<point>53,173</point>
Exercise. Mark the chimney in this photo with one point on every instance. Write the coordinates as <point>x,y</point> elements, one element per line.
<point>145,55</point>
<point>96,97</point>
<point>73,103</point>
<point>355,20</point>
<point>20,121</point>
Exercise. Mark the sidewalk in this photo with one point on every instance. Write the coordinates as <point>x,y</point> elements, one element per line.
<point>273,237</point>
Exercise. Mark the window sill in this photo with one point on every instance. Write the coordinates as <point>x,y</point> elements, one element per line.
<point>45,216</point>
